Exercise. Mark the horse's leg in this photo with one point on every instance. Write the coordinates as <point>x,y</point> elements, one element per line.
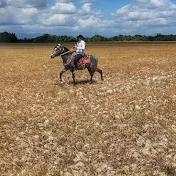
<point>91,74</point>
<point>61,73</point>
<point>73,76</point>
<point>101,73</point>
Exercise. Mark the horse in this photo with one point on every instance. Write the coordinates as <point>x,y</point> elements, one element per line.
<point>88,62</point>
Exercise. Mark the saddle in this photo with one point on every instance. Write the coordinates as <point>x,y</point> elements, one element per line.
<point>84,60</point>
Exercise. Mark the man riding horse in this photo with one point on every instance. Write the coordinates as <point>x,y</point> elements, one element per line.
<point>88,62</point>
<point>80,47</point>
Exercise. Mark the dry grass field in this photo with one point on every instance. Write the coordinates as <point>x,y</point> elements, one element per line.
<point>125,125</point>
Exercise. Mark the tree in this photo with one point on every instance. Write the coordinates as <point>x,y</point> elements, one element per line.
<point>8,37</point>
<point>97,38</point>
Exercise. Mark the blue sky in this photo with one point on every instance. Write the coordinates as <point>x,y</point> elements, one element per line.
<point>109,6</point>
<point>30,18</point>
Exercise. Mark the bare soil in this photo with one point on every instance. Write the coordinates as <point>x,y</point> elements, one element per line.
<point>125,125</point>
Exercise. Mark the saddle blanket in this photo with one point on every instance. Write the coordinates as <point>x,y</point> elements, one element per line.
<point>84,60</point>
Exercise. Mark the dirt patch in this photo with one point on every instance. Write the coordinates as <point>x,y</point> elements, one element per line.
<point>124,125</point>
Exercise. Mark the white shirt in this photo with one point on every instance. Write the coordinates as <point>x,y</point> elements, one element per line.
<point>80,47</point>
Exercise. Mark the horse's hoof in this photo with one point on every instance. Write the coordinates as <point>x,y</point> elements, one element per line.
<point>61,82</point>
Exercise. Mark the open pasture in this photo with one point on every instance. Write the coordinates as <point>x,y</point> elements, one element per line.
<point>125,125</point>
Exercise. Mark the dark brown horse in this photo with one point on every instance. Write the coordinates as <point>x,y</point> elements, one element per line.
<point>68,62</point>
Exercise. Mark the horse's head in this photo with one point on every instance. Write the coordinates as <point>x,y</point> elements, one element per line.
<point>58,49</point>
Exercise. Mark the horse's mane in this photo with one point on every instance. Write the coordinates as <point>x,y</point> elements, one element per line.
<point>66,48</point>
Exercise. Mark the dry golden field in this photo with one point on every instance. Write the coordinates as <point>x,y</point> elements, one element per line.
<point>125,125</point>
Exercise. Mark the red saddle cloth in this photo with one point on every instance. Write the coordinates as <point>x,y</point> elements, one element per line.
<point>85,60</point>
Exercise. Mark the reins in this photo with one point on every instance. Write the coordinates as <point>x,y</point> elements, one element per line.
<point>65,54</point>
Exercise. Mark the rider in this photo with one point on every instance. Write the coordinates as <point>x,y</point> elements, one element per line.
<point>80,47</point>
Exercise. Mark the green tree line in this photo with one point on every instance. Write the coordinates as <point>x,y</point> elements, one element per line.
<point>46,38</point>
<point>8,37</point>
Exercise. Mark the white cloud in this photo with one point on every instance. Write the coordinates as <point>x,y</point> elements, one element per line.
<point>57,19</point>
<point>91,21</point>
<point>82,1</point>
<point>33,16</point>
<point>86,8</point>
<point>146,14</point>
<point>63,8</point>
<point>65,18</point>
